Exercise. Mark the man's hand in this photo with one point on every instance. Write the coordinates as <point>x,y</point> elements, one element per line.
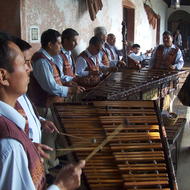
<point>121,64</point>
<point>107,70</point>
<point>48,126</point>
<point>94,72</point>
<point>70,83</point>
<point>69,178</point>
<point>76,90</point>
<point>171,67</point>
<point>149,51</point>
<point>139,66</point>
<point>41,148</point>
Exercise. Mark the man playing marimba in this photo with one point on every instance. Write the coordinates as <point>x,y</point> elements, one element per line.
<point>105,54</point>
<point>167,56</point>
<point>88,64</point>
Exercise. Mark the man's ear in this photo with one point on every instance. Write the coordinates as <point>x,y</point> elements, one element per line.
<point>4,77</point>
<point>49,45</point>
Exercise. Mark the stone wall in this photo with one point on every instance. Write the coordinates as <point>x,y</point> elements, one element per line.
<point>61,14</point>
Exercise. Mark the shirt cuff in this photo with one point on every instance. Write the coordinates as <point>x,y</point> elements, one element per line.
<point>177,67</point>
<point>41,118</point>
<point>67,79</point>
<point>113,63</point>
<point>65,91</point>
<point>83,73</point>
<point>53,187</point>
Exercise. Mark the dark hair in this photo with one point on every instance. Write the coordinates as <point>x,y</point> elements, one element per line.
<point>22,44</point>
<point>167,33</point>
<point>49,35</point>
<point>110,35</point>
<point>136,46</point>
<point>95,41</point>
<point>69,33</point>
<point>5,54</point>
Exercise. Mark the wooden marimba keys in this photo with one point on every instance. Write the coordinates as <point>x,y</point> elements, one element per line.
<point>136,158</point>
<point>134,85</point>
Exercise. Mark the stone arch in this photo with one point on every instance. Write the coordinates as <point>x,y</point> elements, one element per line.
<point>180,19</point>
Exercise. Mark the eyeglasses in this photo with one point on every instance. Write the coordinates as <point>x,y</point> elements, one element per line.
<point>27,61</point>
<point>28,64</point>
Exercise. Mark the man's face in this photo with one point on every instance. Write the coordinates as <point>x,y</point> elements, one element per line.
<point>102,36</point>
<point>71,43</point>
<point>167,40</point>
<point>111,39</point>
<point>56,47</point>
<point>96,49</point>
<point>136,50</point>
<point>27,57</point>
<point>18,79</point>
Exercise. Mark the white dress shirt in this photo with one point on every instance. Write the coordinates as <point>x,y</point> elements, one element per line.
<point>137,57</point>
<point>14,171</point>
<point>33,121</point>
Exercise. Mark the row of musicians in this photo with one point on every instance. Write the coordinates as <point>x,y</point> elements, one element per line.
<point>56,73</point>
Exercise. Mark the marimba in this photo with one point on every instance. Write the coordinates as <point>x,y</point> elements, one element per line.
<point>136,85</point>
<point>137,158</point>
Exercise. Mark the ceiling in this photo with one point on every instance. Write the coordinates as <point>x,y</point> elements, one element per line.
<point>182,2</point>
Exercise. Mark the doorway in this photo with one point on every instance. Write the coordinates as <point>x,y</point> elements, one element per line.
<point>180,20</point>
<point>129,18</point>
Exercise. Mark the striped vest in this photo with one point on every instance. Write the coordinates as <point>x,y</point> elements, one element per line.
<point>92,66</point>
<point>164,62</point>
<point>90,80</point>
<point>132,64</point>
<point>10,130</point>
<point>105,58</point>
<point>39,96</point>
<point>67,69</point>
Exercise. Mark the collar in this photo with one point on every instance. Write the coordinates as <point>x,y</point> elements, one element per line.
<point>23,98</point>
<point>103,46</point>
<point>89,54</point>
<point>66,52</point>
<point>109,45</point>
<point>46,54</point>
<point>172,46</point>
<point>133,53</point>
<point>11,114</point>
